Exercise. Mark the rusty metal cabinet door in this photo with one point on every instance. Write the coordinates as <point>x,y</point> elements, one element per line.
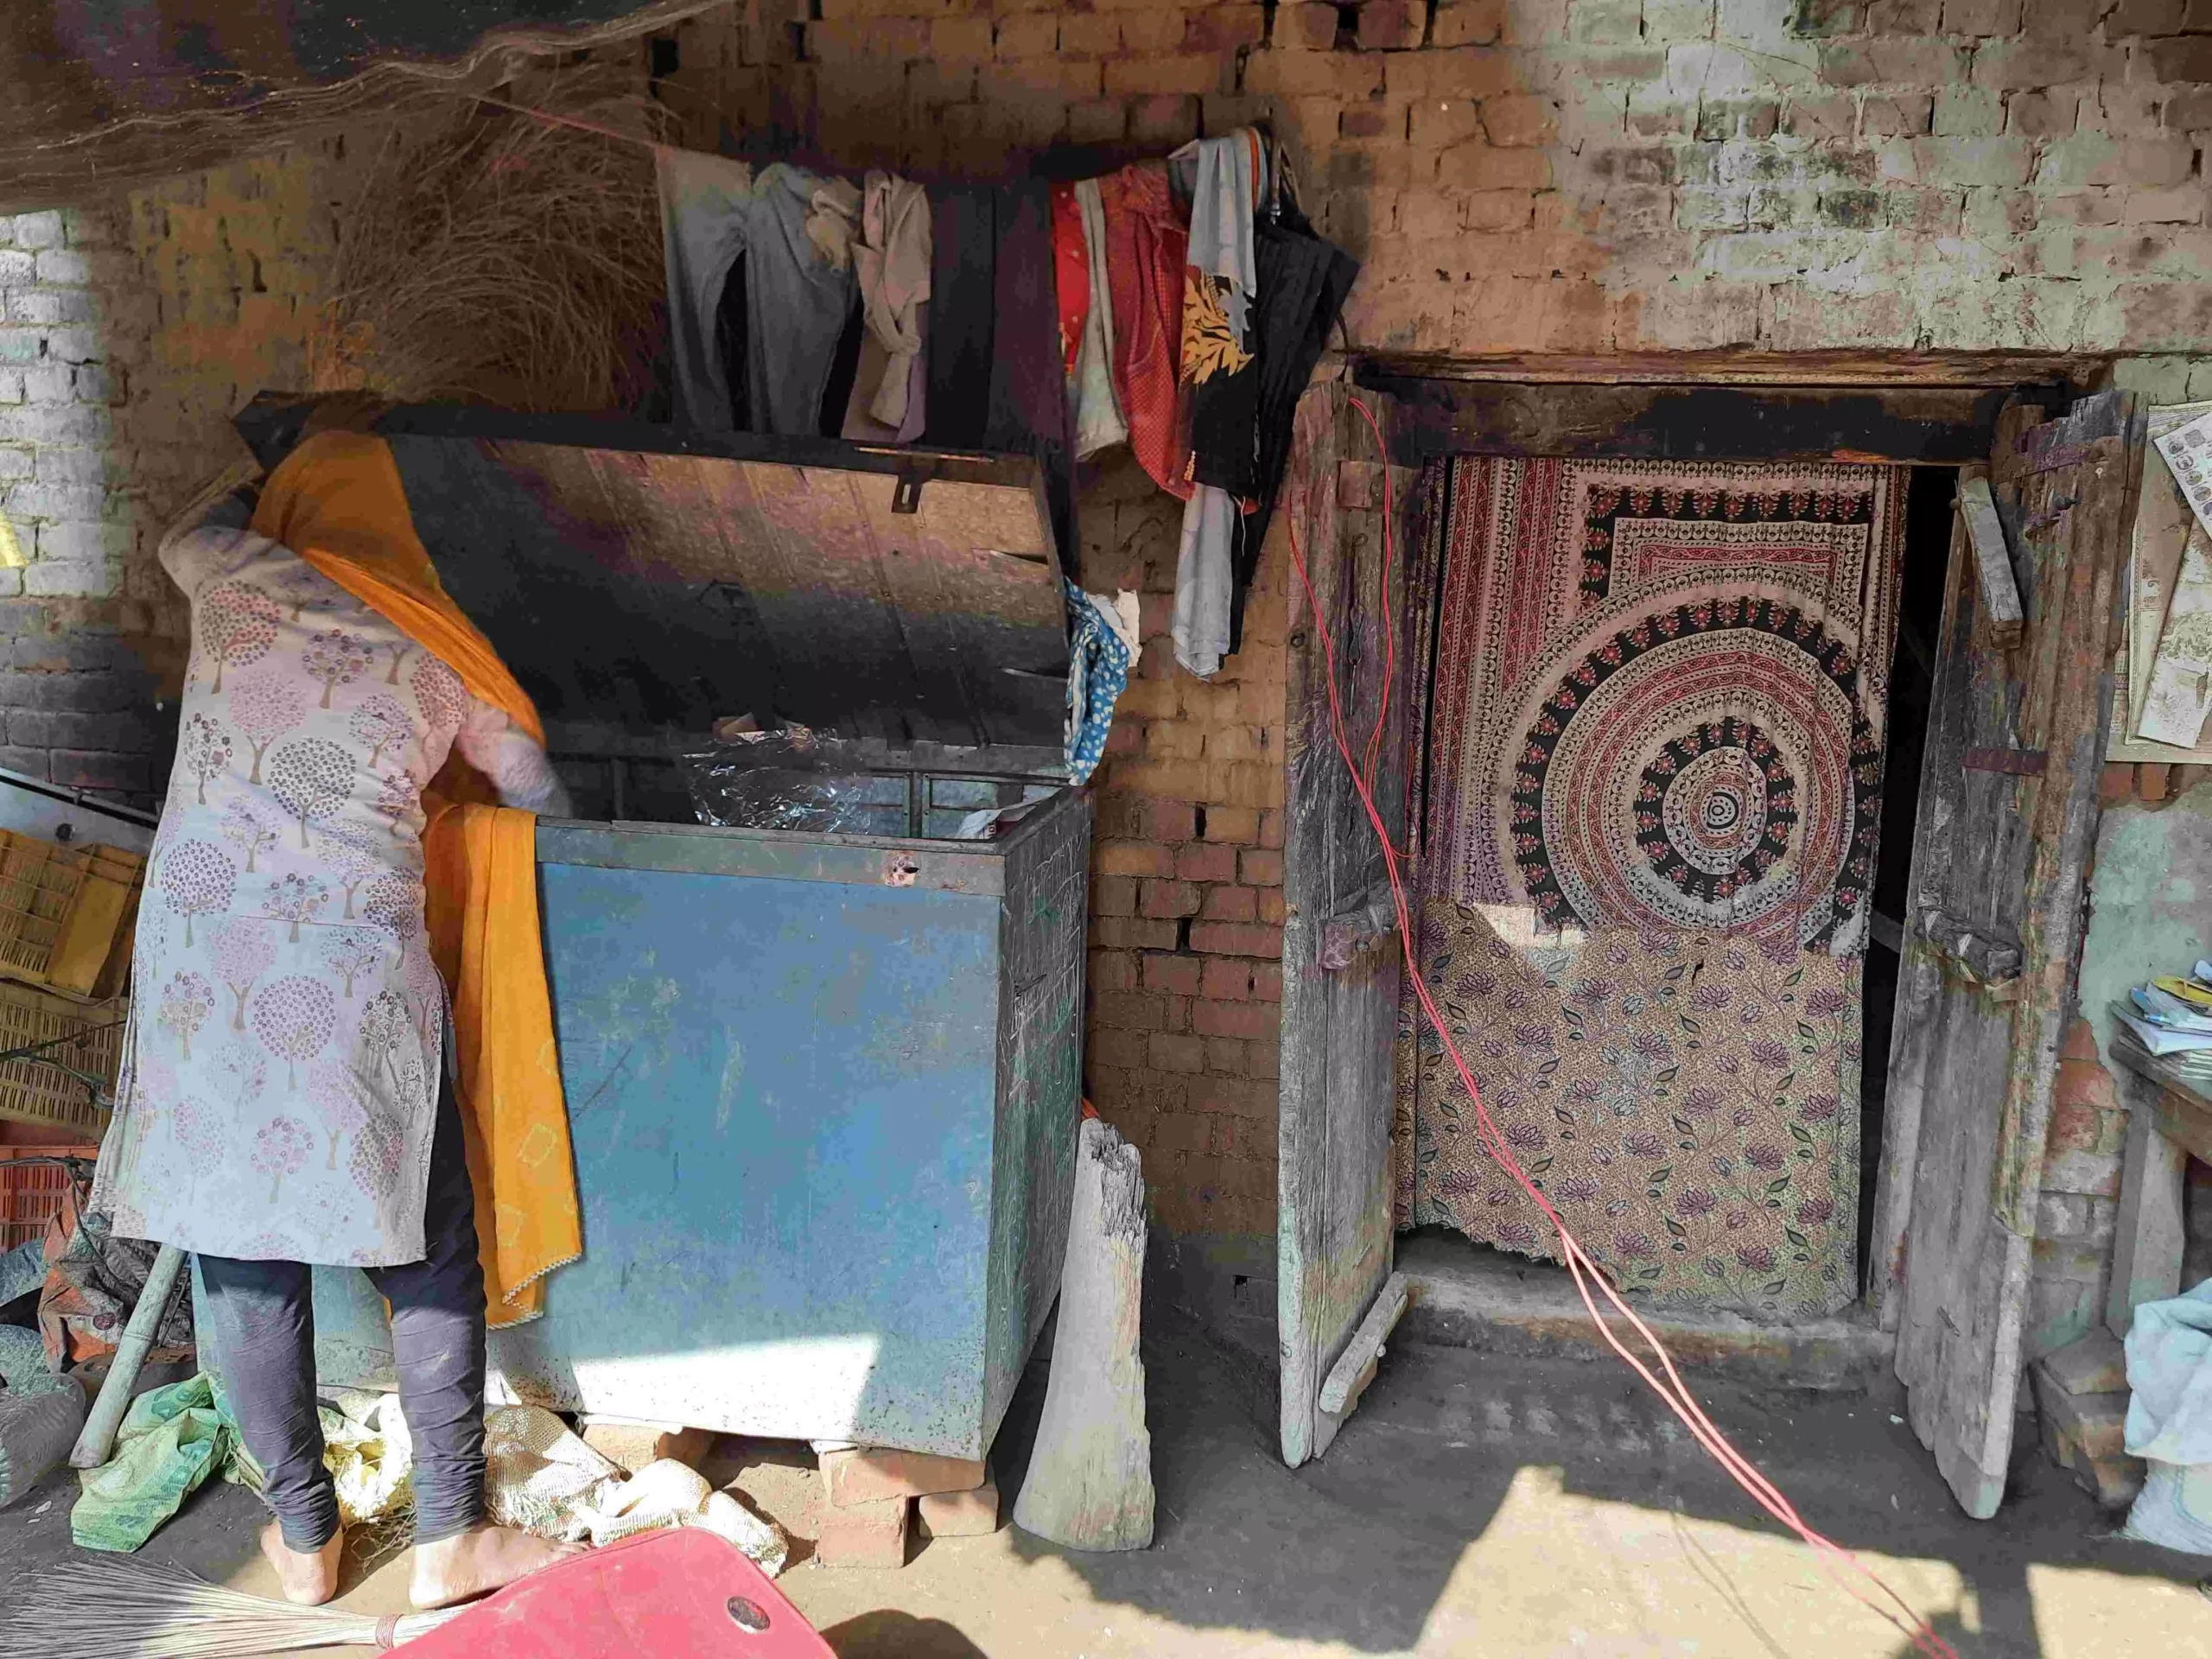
<point>1341,955</point>
<point>2007,820</point>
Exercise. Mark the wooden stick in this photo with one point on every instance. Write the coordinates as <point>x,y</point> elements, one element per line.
<point>99,1438</point>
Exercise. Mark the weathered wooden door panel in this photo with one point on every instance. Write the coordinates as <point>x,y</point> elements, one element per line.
<point>2007,819</point>
<point>1341,956</point>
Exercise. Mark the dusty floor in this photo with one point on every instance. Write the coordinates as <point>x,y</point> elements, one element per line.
<point>1471,1508</point>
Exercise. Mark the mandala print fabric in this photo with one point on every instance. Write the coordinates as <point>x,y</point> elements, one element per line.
<point>1651,775</point>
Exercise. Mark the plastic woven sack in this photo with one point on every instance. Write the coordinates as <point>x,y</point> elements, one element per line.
<point>171,1441</point>
<point>541,1476</point>
<point>2175,1508</point>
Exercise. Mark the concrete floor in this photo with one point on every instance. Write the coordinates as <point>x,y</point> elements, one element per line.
<point>1474,1506</point>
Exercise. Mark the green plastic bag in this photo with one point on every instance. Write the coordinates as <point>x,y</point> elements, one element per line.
<point>171,1441</point>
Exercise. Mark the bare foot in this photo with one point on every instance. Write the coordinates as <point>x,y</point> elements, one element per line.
<point>478,1562</point>
<point>308,1578</point>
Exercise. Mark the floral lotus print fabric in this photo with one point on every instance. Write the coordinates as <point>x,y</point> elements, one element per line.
<point>1680,1098</point>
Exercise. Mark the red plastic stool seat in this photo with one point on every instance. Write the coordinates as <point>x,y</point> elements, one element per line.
<point>685,1594</point>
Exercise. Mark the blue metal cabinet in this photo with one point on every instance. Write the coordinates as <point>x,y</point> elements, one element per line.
<point>823,1093</point>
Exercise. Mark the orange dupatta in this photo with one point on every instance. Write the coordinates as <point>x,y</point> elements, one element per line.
<point>337,502</point>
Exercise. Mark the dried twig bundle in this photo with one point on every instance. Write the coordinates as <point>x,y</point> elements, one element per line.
<point>492,257</point>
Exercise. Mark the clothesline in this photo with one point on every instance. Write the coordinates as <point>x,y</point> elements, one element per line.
<point>1050,318</point>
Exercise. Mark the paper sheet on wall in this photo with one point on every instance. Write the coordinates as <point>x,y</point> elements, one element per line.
<point>2161,680</point>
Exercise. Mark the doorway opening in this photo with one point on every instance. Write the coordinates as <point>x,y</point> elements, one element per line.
<point>1514,1294</point>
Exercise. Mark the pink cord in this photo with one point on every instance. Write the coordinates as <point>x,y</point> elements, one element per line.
<point>1583,1268</point>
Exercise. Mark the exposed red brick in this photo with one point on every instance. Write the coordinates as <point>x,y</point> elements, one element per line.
<point>1236,940</point>
<point>1303,28</point>
<point>1170,899</point>
<point>1267,981</point>
<point>1228,904</point>
<point>1224,28</point>
<point>1260,867</point>
<point>1226,978</point>
<point>1170,1053</point>
<point>872,1474</point>
<point>1113,970</point>
<point>1180,975</point>
<point>1129,1010</point>
<point>1114,895</point>
<point>1133,933</point>
<point>865,1534</point>
<point>958,1515</point>
<point>1206,860</point>
<point>1134,858</point>
<point>1392,25</point>
<point>1237,824</point>
<point>1254,1021</point>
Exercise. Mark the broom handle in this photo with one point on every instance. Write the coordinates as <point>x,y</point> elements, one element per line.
<point>99,1438</point>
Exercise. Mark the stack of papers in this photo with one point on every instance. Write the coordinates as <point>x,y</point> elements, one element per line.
<point>2171,1018</point>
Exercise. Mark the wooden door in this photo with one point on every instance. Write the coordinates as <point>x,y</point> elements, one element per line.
<point>2007,820</point>
<point>1341,955</point>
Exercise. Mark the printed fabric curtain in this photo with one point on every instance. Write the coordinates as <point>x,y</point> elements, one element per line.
<point>1649,777</point>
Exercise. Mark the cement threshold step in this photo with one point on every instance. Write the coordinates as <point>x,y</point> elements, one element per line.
<point>1463,1297</point>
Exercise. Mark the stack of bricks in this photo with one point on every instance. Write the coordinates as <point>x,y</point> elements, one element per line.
<point>1186,905</point>
<point>2081,1397</point>
<point>873,1497</point>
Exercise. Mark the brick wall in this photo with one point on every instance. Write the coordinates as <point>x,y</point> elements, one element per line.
<point>1582,175</point>
<point>132,331</point>
<point>1569,175</point>
<point>1186,906</point>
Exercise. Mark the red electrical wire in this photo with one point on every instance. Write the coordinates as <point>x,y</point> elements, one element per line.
<point>1583,1268</point>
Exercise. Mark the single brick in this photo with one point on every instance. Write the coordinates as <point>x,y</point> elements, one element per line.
<point>1133,933</point>
<point>1130,1010</point>
<point>959,1515</point>
<point>1225,28</point>
<point>1163,122</point>
<point>1228,904</point>
<point>1114,895</point>
<point>865,1534</point>
<point>1113,970</point>
<point>1258,1022</point>
<point>1475,23</point>
<point>1143,858</point>
<point>1169,900</point>
<point>1206,860</point>
<point>1169,1052</point>
<point>1392,25</point>
<point>1236,940</point>
<point>1303,28</point>
<point>1267,981</point>
<point>1260,867</point>
<point>1226,979</point>
<point>1178,975</point>
<point>870,1474</point>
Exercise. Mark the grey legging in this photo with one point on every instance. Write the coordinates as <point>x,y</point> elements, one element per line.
<point>263,1332</point>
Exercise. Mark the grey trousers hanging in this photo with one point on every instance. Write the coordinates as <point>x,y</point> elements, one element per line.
<point>793,231</point>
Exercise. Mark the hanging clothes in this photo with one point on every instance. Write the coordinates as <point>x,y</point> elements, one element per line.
<point>1098,422</point>
<point>1303,283</point>
<point>963,261</point>
<point>1103,649</point>
<point>794,231</point>
<point>1219,361</point>
<point>1146,244</point>
<point>891,261</point>
<point>1029,401</point>
<point>1205,568</point>
<point>1071,273</point>
<point>996,380</point>
<point>1219,374</point>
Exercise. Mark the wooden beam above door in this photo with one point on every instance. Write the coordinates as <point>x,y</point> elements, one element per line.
<point>1929,425</point>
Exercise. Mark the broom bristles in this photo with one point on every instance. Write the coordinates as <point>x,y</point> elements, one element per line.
<point>111,1607</point>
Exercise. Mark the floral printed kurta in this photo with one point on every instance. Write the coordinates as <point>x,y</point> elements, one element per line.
<point>281,1077</point>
